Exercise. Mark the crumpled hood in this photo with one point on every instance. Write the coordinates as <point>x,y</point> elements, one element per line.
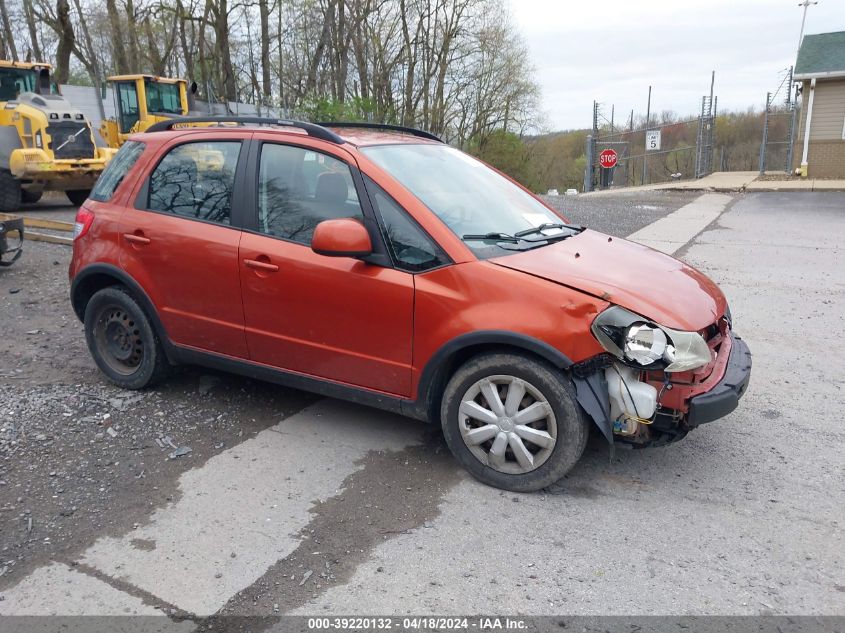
<point>643,280</point>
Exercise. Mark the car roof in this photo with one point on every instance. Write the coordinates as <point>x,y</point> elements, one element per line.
<point>358,137</point>
<point>361,137</point>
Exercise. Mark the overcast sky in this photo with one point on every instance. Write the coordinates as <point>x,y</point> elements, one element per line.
<point>611,50</point>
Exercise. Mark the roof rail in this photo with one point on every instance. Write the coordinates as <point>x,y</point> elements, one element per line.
<point>382,126</point>
<point>311,129</point>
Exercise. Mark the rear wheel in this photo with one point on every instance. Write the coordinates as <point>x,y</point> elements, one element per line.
<point>10,192</point>
<point>122,340</point>
<point>513,421</point>
<point>30,197</point>
<point>77,196</point>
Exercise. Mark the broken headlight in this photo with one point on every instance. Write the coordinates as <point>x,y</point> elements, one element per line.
<point>638,342</point>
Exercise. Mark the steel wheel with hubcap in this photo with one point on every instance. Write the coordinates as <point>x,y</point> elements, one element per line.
<point>508,424</point>
<point>512,420</point>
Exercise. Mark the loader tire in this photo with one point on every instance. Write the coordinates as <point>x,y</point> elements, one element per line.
<point>31,197</point>
<point>10,192</point>
<point>77,196</point>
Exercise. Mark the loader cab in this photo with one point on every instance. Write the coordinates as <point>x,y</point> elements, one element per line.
<point>15,80</point>
<point>141,100</point>
<point>19,77</point>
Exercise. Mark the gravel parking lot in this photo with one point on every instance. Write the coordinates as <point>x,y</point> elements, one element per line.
<point>620,213</point>
<point>219,494</point>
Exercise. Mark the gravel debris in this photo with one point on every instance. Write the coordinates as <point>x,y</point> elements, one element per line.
<point>87,458</point>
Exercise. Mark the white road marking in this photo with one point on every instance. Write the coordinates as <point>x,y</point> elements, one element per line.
<point>59,590</point>
<point>671,233</point>
<point>250,501</point>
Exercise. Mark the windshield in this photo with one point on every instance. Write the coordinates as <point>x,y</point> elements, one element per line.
<point>14,81</point>
<point>163,98</point>
<point>471,198</point>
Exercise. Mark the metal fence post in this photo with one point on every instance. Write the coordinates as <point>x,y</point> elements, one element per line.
<point>645,134</point>
<point>588,169</point>
<point>765,134</point>
<point>790,149</point>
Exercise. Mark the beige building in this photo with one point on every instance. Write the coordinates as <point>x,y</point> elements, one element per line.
<point>820,139</point>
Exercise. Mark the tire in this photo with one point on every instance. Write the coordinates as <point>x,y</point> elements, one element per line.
<point>546,391</point>
<point>122,340</point>
<point>31,197</point>
<point>77,196</point>
<point>10,192</point>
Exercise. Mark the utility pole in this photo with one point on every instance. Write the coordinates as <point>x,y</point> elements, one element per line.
<point>806,4</point>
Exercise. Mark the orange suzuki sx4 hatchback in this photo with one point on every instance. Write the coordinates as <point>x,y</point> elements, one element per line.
<point>380,265</point>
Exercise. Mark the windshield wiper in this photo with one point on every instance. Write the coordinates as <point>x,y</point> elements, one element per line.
<point>502,237</point>
<point>542,227</point>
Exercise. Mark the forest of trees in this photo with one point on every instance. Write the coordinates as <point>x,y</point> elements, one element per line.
<point>455,67</point>
<point>458,68</point>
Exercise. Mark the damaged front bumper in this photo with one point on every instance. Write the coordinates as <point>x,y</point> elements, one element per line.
<point>11,239</point>
<point>724,397</point>
<point>712,399</point>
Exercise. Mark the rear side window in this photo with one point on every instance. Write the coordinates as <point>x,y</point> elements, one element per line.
<point>196,180</point>
<point>117,168</point>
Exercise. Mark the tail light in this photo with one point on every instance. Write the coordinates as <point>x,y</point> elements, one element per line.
<point>82,223</point>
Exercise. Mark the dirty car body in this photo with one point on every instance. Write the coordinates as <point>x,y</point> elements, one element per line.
<point>382,266</point>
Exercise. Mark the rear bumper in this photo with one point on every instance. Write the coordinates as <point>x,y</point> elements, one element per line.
<point>724,396</point>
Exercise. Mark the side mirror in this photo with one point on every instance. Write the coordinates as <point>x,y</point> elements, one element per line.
<point>343,237</point>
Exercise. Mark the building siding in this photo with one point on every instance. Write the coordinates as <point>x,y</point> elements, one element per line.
<point>828,111</point>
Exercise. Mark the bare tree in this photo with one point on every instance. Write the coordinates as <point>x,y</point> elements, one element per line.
<point>266,88</point>
<point>61,23</point>
<point>34,46</point>
<point>121,64</point>
<point>9,39</point>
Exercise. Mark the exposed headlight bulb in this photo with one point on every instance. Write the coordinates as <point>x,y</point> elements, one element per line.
<point>645,344</point>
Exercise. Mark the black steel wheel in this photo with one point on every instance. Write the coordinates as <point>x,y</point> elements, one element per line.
<point>122,340</point>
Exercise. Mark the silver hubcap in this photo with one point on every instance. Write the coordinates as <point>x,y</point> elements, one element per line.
<point>507,424</point>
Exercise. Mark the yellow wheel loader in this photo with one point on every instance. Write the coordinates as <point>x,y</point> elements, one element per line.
<point>45,144</point>
<point>140,101</point>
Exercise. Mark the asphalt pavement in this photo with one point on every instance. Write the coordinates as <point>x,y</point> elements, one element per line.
<point>291,504</point>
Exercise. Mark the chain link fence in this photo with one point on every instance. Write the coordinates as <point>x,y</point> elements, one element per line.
<point>779,127</point>
<point>654,149</point>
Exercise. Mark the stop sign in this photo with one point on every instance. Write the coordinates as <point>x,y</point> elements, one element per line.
<point>607,158</point>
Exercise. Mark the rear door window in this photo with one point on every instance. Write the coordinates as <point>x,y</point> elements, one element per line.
<point>196,180</point>
<point>116,171</point>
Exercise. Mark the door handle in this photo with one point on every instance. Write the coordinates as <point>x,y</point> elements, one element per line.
<point>136,239</point>
<point>266,267</point>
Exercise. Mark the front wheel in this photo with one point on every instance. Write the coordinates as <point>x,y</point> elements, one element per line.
<point>122,340</point>
<point>513,422</point>
<point>77,196</point>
